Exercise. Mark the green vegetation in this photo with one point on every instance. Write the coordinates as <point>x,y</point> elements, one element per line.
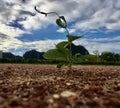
<point>65,53</point>
<point>105,58</point>
<point>63,50</point>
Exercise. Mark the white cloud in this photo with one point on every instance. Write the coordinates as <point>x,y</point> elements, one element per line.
<point>84,15</point>
<point>11,31</point>
<point>112,39</point>
<point>61,30</point>
<point>9,43</point>
<point>106,14</point>
<point>100,44</point>
<point>90,44</point>
<point>42,45</point>
<point>90,14</point>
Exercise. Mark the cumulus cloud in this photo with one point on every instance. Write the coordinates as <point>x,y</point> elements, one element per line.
<point>103,13</point>
<point>83,15</point>
<point>7,43</point>
<point>100,44</point>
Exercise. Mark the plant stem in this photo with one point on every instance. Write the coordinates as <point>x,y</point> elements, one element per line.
<point>67,31</point>
<point>45,12</point>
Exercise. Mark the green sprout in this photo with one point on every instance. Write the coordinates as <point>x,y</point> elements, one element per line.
<point>63,51</point>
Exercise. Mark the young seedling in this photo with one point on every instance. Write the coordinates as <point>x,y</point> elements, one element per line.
<point>63,51</point>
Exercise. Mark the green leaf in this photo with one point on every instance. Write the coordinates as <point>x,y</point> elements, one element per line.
<point>62,44</point>
<point>60,23</point>
<point>60,65</point>
<point>72,38</point>
<point>64,20</point>
<point>62,54</point>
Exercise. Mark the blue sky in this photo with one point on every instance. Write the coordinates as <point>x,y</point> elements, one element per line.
<point>22,28</point>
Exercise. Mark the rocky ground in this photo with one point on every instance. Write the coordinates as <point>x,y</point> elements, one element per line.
<point>43,86</point>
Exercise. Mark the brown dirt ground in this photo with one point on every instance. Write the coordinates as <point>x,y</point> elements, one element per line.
<point>43,86</point>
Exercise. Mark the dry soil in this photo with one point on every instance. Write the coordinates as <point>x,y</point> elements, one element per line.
<point>44,86</point>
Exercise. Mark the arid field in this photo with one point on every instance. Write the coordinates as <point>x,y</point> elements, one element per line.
<point>44,86</point>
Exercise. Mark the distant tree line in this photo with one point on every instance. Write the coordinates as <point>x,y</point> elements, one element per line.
<point>34,56</point>
<point>110,57</point>
<point>105,58</point>
<point>83,57</point>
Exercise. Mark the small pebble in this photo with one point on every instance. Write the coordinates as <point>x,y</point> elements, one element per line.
<point>68,94</point>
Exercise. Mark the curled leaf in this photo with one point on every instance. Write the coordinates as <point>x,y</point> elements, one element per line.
<point>61,22</point>
<point>63,18</point>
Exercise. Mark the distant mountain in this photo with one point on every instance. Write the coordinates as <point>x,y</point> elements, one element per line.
<point>10,55</point>
<point>79,49</point>
<point>33,54</point>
